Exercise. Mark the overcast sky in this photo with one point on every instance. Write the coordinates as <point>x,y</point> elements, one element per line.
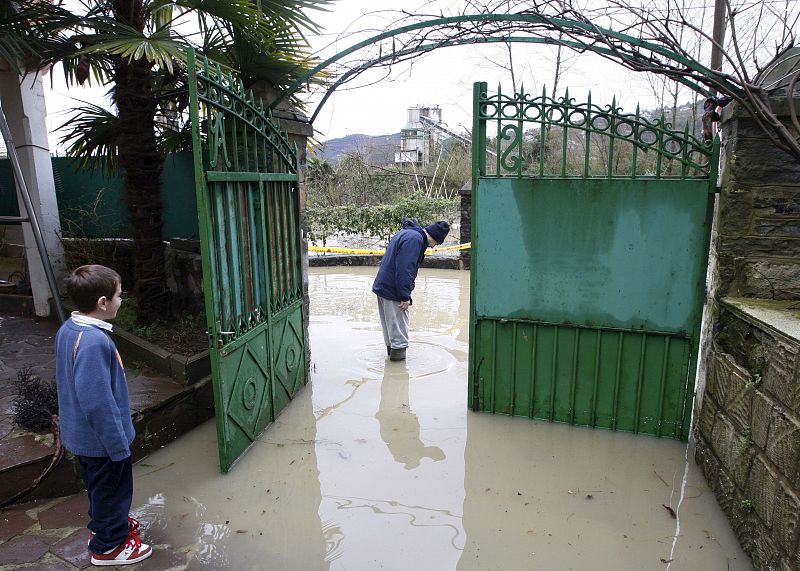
<point>443,78</point>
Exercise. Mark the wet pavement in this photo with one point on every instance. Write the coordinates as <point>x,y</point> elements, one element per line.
<point>379,465</point>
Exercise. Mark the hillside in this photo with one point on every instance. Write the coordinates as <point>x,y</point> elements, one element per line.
<point>378,149</point>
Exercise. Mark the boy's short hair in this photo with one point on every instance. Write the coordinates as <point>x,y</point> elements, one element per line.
<point>87,284</point>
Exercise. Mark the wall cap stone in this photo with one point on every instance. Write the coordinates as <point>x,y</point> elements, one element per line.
<point>782,316</point>
<point>779,105</point>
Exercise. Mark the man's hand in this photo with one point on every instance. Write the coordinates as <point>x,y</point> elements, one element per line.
<point>404,305</point>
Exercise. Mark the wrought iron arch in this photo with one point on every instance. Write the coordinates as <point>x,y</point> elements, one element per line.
<point>586,37</point>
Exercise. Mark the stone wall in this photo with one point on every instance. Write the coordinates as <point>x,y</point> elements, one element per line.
<point>183,267</point>
<point>759,225</point>
<point>747,410</point>
<point>748,435</point>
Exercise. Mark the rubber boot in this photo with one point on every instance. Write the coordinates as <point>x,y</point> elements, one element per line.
<point>397,354</point>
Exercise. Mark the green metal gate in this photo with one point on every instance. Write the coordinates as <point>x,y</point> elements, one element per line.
<point>590,233</point>
<point>248,209</point>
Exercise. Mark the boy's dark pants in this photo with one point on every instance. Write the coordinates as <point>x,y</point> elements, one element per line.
<point>109,486</point>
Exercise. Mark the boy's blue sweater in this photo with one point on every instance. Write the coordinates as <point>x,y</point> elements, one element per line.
<point>93,407</point>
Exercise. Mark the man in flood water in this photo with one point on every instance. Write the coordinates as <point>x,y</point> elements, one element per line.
<point>395,280</point>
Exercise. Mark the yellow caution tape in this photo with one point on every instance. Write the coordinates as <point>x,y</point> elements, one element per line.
<point>360,251</point>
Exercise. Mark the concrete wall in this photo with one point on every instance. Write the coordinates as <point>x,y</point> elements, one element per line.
<point>747,411</point>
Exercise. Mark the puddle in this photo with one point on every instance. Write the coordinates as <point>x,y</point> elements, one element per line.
<point>379,465</point>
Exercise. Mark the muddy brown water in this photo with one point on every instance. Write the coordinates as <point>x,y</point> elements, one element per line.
<point>379,465</point>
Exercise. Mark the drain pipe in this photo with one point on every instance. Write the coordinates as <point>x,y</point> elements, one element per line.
<point>31,217</point>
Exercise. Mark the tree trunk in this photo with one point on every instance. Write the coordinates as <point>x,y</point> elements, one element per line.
<point>142,162</point>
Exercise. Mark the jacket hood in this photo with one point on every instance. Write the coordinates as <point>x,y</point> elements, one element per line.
<point>411,222</point>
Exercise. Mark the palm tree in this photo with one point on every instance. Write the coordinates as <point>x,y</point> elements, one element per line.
<point>138,49</point>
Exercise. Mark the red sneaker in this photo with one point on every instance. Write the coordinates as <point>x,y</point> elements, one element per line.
<point>130,552</point>
<point>133,527</point>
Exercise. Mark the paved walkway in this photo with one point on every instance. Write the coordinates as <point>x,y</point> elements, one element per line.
<point>51,535</point>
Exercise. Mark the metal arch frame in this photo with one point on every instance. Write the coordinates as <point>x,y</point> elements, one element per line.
<point>430,47</point>
<point>688,64</point>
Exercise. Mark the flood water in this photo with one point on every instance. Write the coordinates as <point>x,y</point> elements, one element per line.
<point>379,465</point>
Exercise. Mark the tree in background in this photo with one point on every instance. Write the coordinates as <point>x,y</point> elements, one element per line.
<point>138,48</point>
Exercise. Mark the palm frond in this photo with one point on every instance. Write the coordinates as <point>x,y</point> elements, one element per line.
<point>160,48</point>
<point>92,134</point>
<point>31,33</point>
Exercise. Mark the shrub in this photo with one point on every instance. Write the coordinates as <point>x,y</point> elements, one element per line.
<point>36,401</point>
<point>379,221</point>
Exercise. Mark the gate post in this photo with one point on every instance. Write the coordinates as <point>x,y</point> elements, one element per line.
<point>466,222</point>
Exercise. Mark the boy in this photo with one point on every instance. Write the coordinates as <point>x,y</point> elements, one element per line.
<point>95,414</point>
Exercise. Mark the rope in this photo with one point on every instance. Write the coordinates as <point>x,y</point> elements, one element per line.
<point>428,252</point>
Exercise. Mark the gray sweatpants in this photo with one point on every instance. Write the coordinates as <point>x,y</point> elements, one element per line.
<point>394,322</point>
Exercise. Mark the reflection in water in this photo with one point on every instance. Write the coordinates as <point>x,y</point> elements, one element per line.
<point>333,541</point>
<point>391,479</point>
<point>417,516</point>
<point>553,496</point>
<point>399,425</point>
<point>263,514</point>
<point>211,546</point>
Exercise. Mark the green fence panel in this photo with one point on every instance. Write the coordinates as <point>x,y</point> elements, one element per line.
<point>8,190</point>
<point>246,173</point>
<point>91,202</point>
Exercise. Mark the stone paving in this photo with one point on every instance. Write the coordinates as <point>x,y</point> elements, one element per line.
<point>50,535</point>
